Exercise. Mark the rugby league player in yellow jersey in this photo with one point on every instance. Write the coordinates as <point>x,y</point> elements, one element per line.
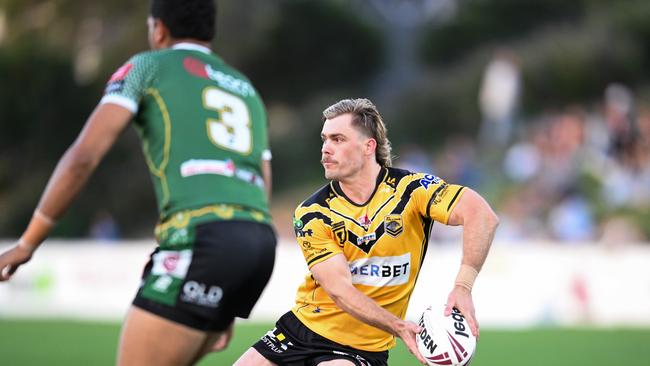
<point>364,236</point>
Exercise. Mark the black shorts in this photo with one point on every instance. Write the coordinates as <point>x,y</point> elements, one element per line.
<point>291,343</point>
<point>218,276</point>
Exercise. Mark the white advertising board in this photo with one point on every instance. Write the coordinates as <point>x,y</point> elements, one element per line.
<point>532,284</point>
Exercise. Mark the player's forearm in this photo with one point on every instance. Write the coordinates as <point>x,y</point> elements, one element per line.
<point>360,306</point>
<point>478,232</point>
<point>70,175</point>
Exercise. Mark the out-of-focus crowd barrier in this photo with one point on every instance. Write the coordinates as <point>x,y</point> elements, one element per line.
<point>537,284</point>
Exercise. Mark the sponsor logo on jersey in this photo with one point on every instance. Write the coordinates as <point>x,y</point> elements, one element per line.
<point>179,236</point>
<point>428,180</point>
<point>226,81</point>
<point>340,232</point>
<point>226,168</point>
<point>195,67</point>
<point>393,225</point>
<point>303,233</point>
<point>200,294</point>
<point>366,238</point>
<point>172,263</point>
<point>162,283</point>
<point>114,87</point>
<point>275,342</point>
<point>440,194</point>
<point>208,166</point>
<point>121,73</point>
<point>381,271</point>
<point>116,82</point>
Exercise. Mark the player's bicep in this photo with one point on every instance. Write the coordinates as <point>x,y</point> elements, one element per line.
<point>469,204</point>
<point>101,130</point>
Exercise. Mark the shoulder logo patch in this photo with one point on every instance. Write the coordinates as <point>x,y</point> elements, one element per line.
<point>393,225</point>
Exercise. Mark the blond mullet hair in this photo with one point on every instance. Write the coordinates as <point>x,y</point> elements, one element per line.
<point>367,120</point>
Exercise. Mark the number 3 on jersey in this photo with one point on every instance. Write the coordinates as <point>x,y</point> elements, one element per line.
<point>232,130</point>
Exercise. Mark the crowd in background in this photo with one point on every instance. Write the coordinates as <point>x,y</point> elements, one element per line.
<point>575,175</point>
<point>539,106</point>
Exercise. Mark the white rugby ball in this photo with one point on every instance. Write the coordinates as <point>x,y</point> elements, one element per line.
<point>445,340</point>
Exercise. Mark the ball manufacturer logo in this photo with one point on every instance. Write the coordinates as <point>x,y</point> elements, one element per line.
<point>459,323</point>
<point>458,348</point>
<point>425,337</point>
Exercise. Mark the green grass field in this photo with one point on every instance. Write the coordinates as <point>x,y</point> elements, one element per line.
<point>70,343</point>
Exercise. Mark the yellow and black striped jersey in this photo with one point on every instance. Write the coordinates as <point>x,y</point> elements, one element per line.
<point>384,241</point>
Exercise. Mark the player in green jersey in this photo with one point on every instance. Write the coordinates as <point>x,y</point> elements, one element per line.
<point>204,136</point>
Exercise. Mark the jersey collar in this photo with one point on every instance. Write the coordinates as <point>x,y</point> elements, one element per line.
<point>383,173</point>
<point>191,47</point>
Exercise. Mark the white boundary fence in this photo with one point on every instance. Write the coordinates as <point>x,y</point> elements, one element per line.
<point>531,284</point>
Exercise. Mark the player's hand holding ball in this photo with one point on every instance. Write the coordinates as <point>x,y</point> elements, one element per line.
<point>445,340</point>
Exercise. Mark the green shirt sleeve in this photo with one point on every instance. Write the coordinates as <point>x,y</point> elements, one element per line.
<point>128,84</point>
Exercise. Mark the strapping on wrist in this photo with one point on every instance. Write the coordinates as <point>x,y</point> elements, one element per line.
<point>37,230</point>
<point>24,245</point>
<point>466,277</point>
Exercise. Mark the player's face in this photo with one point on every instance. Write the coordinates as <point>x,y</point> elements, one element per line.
<point>344,147</point>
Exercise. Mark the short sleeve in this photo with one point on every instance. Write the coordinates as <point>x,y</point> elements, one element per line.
<point>127,85</point>
<point>314,236</point>
<point>436,198</point>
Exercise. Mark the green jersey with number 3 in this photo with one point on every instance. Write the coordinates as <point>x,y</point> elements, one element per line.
<point>202,124</point>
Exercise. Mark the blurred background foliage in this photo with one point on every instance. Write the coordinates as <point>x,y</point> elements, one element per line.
<point>420,61</point>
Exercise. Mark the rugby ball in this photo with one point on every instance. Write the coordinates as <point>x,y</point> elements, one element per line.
<point>445,340</point>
